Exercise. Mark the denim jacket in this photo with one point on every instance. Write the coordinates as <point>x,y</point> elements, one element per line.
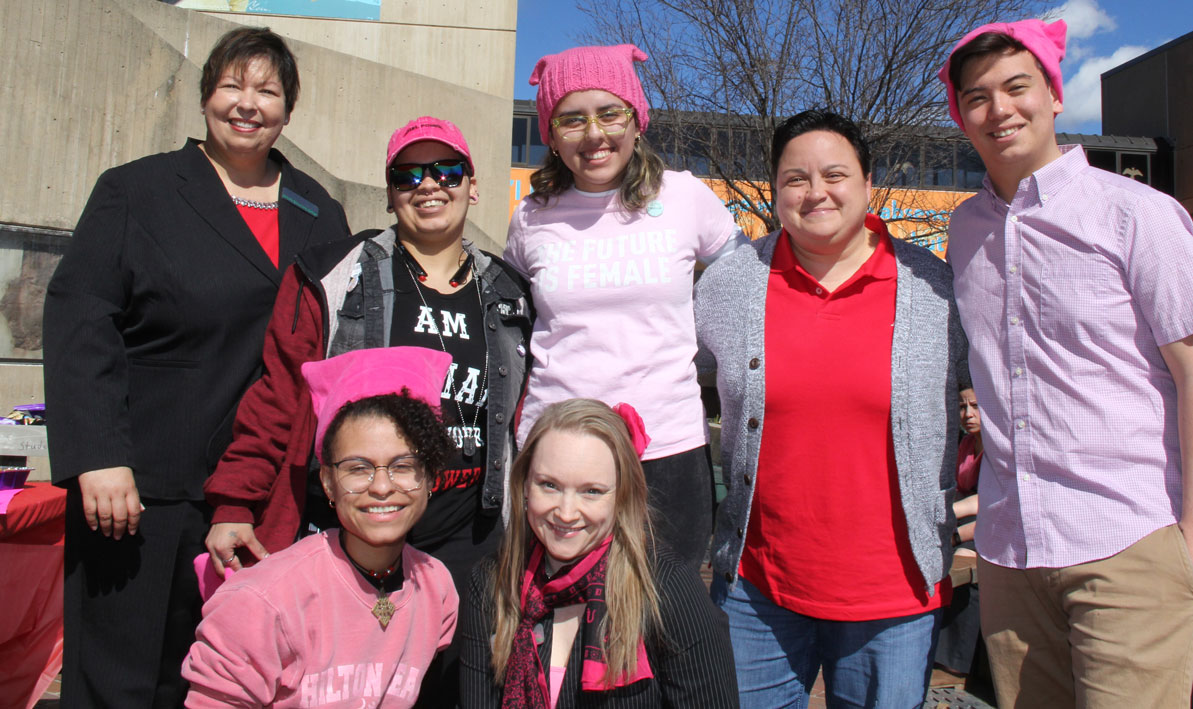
<point>363,301</point>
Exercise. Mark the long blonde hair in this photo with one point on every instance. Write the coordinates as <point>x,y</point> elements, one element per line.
<point>630,593</point>
<point>640,181</point>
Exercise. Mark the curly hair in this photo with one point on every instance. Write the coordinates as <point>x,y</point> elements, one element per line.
<point>413,419</point>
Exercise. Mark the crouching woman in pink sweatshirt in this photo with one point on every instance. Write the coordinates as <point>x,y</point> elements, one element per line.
<point>348,617</point>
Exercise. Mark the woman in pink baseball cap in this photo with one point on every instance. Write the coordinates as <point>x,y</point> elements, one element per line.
<point>418,282</point>
<point>609,240</point>
<point>353,613</point>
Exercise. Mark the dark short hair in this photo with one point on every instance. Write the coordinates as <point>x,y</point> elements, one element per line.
<point>818,119</point>
<point>983,45</point>
<point>413,418</point>
<point>242,45</point>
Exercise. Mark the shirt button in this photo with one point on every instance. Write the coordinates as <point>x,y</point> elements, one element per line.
<point>1026,477</point>
<point>1014,269</point>
<point>819,291</point>
<point>492,325</point>
<point>752,423</point>
<point>497,464</point>
<point>754,363</point>
<point>746,477</point>
<point>503,371</point>
<point>740,532</point>
<point>728,577</point>
<point>500,418</point>
<point>1015,219</point>
<point>1020,424</point>
<point>1014,320</point>
<point>1043,198</point>
<point>1018,371</point>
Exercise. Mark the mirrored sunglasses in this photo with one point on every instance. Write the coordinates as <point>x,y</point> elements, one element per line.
<point>408,176</point>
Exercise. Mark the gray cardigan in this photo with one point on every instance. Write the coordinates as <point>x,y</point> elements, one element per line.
<point>928,354</point>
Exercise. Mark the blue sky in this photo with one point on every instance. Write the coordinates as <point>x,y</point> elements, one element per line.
<point>1102,35</point>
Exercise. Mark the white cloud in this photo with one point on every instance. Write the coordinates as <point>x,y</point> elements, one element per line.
<point>1083,91</point>
<point>1084,18</point>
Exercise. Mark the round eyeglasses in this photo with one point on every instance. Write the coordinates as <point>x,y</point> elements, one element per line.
<point>356,475</point>
<point>611,122</point>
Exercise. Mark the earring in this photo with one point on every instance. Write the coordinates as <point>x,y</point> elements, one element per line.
<point>331,503</point>
<point>202,111</point>
<point>555,152</point>
<point>637,140</point>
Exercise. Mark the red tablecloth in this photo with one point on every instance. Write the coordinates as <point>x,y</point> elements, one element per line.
<point>31,594</point>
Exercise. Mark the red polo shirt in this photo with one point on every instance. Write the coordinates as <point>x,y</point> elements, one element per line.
<point>827,536</point>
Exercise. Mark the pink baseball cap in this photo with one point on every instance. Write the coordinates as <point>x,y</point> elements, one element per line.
<point>429,128</point>
<point>586,68</point>
<point>1045,40</point>
<point>363,373</point>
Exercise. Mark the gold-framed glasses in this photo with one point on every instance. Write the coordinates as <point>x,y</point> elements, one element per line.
<point>356,474</point>
<point>611,122</point>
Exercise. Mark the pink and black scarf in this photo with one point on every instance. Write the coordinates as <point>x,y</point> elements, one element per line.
<point>583,582</point>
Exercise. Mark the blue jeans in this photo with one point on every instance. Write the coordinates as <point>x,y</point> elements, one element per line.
<point>873,663</point>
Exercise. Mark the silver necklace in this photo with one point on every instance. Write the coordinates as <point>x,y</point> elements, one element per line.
<point>469,438</point>
<point>242,202</point>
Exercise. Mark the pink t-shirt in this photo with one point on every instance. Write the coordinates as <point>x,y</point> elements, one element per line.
<point>613,293</point>
<point>297,630</point>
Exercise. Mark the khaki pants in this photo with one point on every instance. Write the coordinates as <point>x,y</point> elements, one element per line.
<point>1117,632</point>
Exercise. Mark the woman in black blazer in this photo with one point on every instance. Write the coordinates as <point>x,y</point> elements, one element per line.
<point>154,322</point>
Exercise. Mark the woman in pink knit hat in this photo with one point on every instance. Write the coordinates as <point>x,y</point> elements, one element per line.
<point>609,239</point>
<point>353,614</point>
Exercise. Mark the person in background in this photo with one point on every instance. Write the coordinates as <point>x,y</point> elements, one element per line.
<point>609,240</point>
<point>416,283</point>
<point>353,613</point>
<point>960,631</point>
<point>153,328</point>
<point>832,546</point>
<point>580,608</point>
<point>1074,287</point>
<point>969,464</point>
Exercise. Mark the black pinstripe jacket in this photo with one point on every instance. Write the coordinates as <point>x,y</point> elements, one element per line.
<point>692,663</point>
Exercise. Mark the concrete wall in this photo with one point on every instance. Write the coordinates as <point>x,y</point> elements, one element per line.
<point>90,84</point>
<point>94,83</point>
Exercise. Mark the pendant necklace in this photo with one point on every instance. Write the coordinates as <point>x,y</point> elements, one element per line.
<point>468,438</point>
<point>383,609</point>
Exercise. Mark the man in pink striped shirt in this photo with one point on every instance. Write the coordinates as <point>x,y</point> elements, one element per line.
<point>1075,287</point>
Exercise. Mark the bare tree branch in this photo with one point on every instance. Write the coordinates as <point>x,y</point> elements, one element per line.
<point>727,72</point>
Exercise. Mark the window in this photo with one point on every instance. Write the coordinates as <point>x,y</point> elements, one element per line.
<point>521,150</point>
<point>970,170</point>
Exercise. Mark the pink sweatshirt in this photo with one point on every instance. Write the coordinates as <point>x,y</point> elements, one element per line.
<point>297,630</point>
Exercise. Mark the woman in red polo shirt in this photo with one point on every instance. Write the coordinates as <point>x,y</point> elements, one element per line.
<point>832,548</point>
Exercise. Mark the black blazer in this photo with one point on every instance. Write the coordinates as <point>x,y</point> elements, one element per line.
<point>692,662</point>
<point>155,318</point>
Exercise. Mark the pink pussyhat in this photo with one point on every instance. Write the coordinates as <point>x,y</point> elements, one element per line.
<point>428,128</point>
<point>1045,40</point>
<point>360,374</point>
<point>587,68</point>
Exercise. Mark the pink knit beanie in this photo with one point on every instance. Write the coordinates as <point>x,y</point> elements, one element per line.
<point>584,68</point>
<point>1045,40</point>
<point>364,373</point>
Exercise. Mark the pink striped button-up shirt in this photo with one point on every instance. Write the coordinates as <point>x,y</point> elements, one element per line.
<point>1066,295</point>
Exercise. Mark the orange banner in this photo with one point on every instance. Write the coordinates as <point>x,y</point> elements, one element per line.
<point>921,216</point>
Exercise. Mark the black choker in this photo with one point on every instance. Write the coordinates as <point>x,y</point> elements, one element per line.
<point>457,278</point>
